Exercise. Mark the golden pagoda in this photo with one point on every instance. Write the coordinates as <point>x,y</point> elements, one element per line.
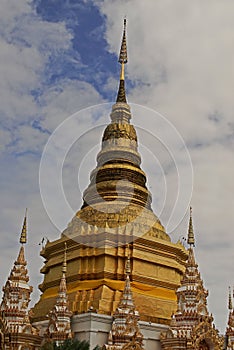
<point>116,213</point>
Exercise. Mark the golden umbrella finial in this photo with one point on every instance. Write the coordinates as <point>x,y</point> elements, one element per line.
<point>123,59</point>
<point>191,239</point>
<point>23,236</point>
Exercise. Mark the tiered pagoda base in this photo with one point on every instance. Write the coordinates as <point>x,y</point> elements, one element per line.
<point>95,273</point>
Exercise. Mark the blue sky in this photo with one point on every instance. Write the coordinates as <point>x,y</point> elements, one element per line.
<point>88,45</point>
<point>59,57</point>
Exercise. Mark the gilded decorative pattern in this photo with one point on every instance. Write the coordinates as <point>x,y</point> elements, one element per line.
<point>115,131</point>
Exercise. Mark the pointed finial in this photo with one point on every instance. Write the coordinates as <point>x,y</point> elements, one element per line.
<point>230,299</point>
<point>191,240</point>
<point>23,236</point>
<point>64,269</point>
<point>128,263</point>
<point>123,59</point>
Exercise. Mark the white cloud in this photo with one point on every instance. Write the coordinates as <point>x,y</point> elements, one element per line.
<point>28,106</point>
<point>26,44</point>
<point>65,99</point>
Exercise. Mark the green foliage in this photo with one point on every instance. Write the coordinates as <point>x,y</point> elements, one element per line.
<point>47,346</point>
<point>69,344</point>
<point>73,344</point>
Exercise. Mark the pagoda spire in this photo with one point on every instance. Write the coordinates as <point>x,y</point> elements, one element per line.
<point>63,284</point>
<point>191,239</point>
<point>230,307</point>
<point>15,302</point>
<point>230,323</point>
<point>125,329</point>
<point>59,326</point>
<point>123,59</point>
<point>118,160</point>
<point>126,300</point>
<point>23,236</point>
<point>23,240</point>
<point>191,323</point>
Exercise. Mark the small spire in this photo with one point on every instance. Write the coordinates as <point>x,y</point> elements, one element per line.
<point>191,240</point>
<point>64,268</point>
<point>230,299</point>
<point>123,59</point>
<point>23,236</point>
<point>21,258</point>
<point>125,331</point>
<point>63,284</point>
<point>128,264</point>
<point>60,315</point>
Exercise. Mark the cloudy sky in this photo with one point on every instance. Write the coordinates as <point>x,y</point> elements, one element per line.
<point>59,57</point>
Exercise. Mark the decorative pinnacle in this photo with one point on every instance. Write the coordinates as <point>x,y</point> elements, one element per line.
<point>64,268</point>
<point>191,240</point>
<point>123,59</point>
<point>128,264</point>
<point>230,299</point>
<point>23,236</point>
